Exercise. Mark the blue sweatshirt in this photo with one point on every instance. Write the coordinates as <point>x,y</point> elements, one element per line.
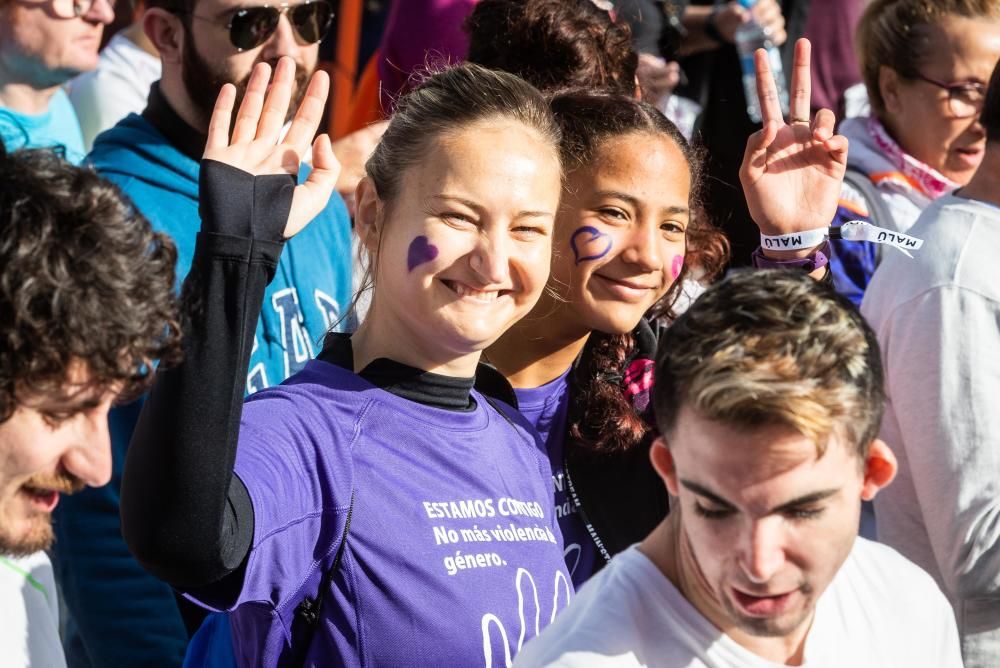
<point>124,616</point>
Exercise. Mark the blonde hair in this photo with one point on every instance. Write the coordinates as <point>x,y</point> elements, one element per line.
<point>896,33</point>
<point>773,347</point>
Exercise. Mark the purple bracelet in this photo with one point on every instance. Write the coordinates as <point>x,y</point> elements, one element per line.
<point>817,259</point>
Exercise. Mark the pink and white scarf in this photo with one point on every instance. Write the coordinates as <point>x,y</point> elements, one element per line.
<point>914,173</point>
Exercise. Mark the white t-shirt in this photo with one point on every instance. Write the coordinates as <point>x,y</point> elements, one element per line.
<point>880,611</point>
<point>29,613</point>
<point>937,318</point>
<point>118,87</point>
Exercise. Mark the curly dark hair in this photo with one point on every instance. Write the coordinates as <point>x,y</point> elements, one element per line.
<point>601,417</point>
<point>553,44</point>
<point>83,278</point>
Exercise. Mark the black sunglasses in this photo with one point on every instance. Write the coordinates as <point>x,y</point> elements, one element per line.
<point>249,27</point>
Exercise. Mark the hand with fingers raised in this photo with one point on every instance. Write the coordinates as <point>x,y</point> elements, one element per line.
<point>729,17</point>
<point>256,147</point>
<point>792,172</point>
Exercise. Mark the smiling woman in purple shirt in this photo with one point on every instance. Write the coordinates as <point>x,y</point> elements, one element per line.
<point>376,509</point>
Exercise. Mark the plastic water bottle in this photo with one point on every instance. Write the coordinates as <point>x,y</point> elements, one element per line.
<point>749,37</point>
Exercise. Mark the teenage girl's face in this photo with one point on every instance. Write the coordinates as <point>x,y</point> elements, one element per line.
<point>467,243</point>
<point>620,234</point>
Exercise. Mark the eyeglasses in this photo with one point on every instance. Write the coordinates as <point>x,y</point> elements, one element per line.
<point>965,98</point>
<point>249,27</point>
<point>83,7</point>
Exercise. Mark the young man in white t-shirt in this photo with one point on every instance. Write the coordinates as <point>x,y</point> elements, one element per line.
<point>768,399</point>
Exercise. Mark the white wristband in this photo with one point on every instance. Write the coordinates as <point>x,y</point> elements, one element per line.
<point>795,240</point>
<point>858,230</point>
<point>852,230</point>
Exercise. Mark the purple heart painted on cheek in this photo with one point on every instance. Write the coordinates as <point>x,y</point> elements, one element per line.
<point>420,251</point>
<point>589,243</point>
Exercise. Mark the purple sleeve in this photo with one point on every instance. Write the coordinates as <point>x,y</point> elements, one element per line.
<point>294,461</point>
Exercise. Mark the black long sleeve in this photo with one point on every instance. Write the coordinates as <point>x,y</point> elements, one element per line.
<point>185,516</point>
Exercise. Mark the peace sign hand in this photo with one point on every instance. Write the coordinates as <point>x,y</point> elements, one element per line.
<point>792,173</point>
<point>255,145</point>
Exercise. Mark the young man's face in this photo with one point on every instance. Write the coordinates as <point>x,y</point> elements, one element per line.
<point>47,449</point>
<point>44,43</point>
<point>765,522</point>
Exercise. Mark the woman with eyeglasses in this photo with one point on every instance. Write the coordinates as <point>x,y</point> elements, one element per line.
<point>925,65</point>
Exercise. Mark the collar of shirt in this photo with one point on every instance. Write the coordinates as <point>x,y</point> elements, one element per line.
<point>181,136</point>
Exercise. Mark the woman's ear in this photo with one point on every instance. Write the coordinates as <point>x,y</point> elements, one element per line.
<point>880,469</point>
<point>888,86</point>
<point>166,32</point>
<point>368,217</point>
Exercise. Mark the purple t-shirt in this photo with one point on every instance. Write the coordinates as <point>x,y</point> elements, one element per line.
<point>453,553</point>
<point>546,408</point>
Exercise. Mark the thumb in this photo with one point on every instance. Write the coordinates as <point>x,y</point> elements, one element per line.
<point>326,167</point>
<point>311,197</point>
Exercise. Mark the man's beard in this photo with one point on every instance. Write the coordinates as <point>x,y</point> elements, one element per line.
<point>38,532</point>
<point>203,80</point>
<point>39,536</point>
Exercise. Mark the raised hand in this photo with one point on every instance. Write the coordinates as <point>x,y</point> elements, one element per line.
<point>256,147</point>
<point>792,172</point>
<point>730,16</point>
<point>657,78</point>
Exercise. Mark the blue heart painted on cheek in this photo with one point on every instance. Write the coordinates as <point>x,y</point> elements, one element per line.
<point>420,251</point>
<point>589,243</point>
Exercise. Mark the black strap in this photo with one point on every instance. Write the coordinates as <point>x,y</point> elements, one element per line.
<point>310,608</point>
<point>575,499</point>
<point>492,402</point>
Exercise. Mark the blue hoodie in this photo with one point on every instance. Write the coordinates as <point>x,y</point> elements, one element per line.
<point>122,615</point>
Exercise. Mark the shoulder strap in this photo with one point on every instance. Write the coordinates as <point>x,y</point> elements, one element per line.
<point>310,608</point>
<point>493,385</point>
<point>878,212</point>
<point>493,402</point>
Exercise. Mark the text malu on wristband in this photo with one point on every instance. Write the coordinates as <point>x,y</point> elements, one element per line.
<point>853,230</point>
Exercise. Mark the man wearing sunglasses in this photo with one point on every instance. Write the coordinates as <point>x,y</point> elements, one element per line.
<point>123,616</point>
<point>43,44</point>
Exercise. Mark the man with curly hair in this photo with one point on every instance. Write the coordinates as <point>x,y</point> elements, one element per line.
<point>86,305</point>
<point>769,396</point>
<point>122,615</point>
